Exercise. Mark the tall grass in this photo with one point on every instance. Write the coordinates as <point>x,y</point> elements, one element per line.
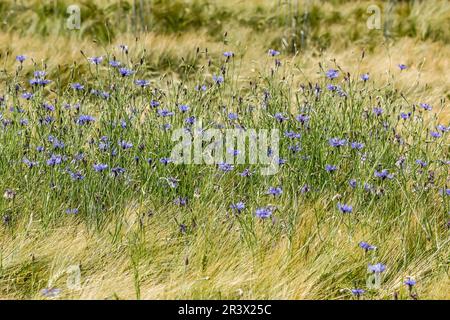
<point>142,229</point>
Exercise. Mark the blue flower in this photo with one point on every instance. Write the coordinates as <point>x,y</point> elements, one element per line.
<point>165,161</point>
<point>54,160</point>
<point>125,145</point>
<point>142,83</point>
<point>263,213</point>
<point>365,77</point>
<point>273,52</point>
<point>366,246</point>
<point>377,111</point>
<point>330,168</point>
<point>435,134</point>
<point>165,113</point>
<point>232,116</point>
<point>114,63</point>
<point>183,108</point>
<point>72,211</point>
<point>332,74</point>
<point>21,58</point>
<point>96,60</point>
<point>357,145</point>
<point>239,206</point>
<point>426,106</point>
<point>402,66</point>
<point>336,142</point>
<point>117,171</point>
<point>124,72</point>
<point>377,268</point>
<point>280,117</point>
<point>405,115</point>
<point>302,118</point>
<point>228,54</point>
<point>77,86</point>
<point>345,208</point>
<point>275,191</point>
<point>225,167</point>
<point>84,119</point>
<point>218,79</point>
<point>99,167</point>
<point>410,282</point>
<point>421,163</point>
<point>352,183</point>
<point>383,174</point>
<point>358,292</point>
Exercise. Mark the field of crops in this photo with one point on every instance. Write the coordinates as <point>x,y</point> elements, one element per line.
<point>224,150</point>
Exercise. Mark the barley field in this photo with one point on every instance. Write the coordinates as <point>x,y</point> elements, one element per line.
<point>350,198</point>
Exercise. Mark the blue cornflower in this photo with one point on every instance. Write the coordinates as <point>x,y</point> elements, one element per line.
<point>402,66</point>
<point>377,111</point>
<point>435,134</point>
<point>183,108</point>
<point>383,174</point>
<point>124,72</point>
<point>55,159</point>
<point>332,74</point>
<point>377,268</point>
<point>263,213</point>
<point>21,58</point>
<point>280,117</point>
<point>367,246</point>
<point>246,173</point>
<point>345,208</point>
<point>218,79</point>
<point>225,167</point>
<point>330,168</point>
<point>426,106</point>
<point>239,206</point>
<point>358,292</point>
<point>357,145</point>
<point>273,52</point>
<point>292,135</point>
<point>336,142</point>
<point>29,163</point>
<point>114,63</point>
<point>353,183</point>
<point>365,77</point>
<point>332,87</point>
<point>165,113</point>
<point>27,95</point>
<point>405,115</point>
<point>117,171</point>
<point>232,116</point>
<point>228,54</point>
<point>84,119</point>
<point>96,60</point>
<point>99,167</point>
<point>77,86</point>
<point>302,118</point>
<point>76,175</point>
<point>275,191</point>
<point>165,161</point>
<point>72,211</point>
<point>154,103</point>
<point>190,120</point>
<point>200,87</point>
<point>142,83</point>
<point>125,145</point>
<point>442,128</point>
<point>421,163</point>
<point>410,282</point>
<point>181,201</point>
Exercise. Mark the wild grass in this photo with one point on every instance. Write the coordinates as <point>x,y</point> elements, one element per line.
<point>128,233</point>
